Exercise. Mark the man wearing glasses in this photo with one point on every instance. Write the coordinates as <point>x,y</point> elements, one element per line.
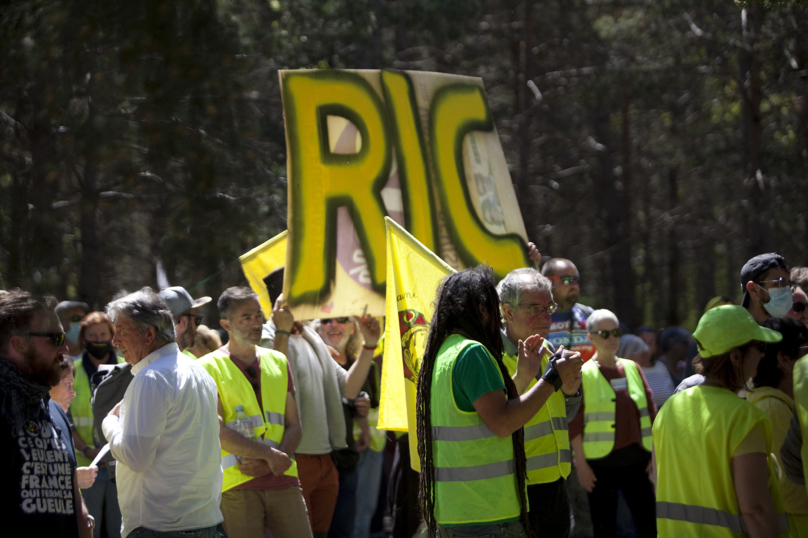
<point>527,306</point>
<point>186,318</point>
<point>765,281</point>
<point>40,493</point>
<point>568,327</point>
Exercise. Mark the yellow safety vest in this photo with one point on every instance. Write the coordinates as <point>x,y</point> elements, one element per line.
<point>801,402</point>
<point>695,435</point>
<point>81,409</point>
<point>187,353</point>
<point>475,473</point>
<point>600,405</point>
<point>547,440</point>
<point>235,390</point>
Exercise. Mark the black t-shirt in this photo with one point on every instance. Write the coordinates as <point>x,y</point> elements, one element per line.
<point>36,493</point>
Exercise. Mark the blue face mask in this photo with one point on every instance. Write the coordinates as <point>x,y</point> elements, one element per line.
<point>779,302</point>
<point>73,333</point>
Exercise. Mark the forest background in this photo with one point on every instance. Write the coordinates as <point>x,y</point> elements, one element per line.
<point>657,144</point>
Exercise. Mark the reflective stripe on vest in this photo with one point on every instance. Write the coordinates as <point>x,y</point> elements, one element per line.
<point>708,516</point>
<point>235,390</point>
<point>695,435</point>
<point>546,434</point>
<point>81,409</point>
<point>475,480</point>
<point>600,406</point>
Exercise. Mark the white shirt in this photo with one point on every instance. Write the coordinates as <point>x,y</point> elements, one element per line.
<point>166,442</point>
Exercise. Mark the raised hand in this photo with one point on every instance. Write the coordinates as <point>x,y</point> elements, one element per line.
<point>371,329</point>
<point>282,317</point>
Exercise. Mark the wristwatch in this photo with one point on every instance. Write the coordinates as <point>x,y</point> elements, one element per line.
<point>551,375</point>
<point>90,522</point>
<point>85,449</point>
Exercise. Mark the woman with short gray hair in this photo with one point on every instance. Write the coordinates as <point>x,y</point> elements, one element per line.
<point>611,434</point>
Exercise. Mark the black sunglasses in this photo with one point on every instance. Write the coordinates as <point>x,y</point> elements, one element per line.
<point>605,334</point>
<point>798,307</point>
<point>334,320</point>
<point>57,339</point>
<point>197,319</point>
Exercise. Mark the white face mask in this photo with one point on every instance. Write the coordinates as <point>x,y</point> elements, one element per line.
<point>779,302</point>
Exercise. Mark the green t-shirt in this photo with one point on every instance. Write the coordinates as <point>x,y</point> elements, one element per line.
<point>474,374</point>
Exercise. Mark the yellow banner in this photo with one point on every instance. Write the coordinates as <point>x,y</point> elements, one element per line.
<point>420,148</point>
<point>413,276</point>
<point>261,261</point>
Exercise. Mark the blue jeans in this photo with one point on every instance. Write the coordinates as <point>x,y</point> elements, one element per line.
<point>367,493</point>
<point>513,529</point>
<point>143,532</point>
<point>345,512</point>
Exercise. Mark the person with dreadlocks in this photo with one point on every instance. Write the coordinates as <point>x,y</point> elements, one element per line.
<point>472,475</point>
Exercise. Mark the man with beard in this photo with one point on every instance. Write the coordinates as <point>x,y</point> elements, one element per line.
<point>40,493</point>
<point>260,487</point>
<point>186,318</point>
<point>569,320</point>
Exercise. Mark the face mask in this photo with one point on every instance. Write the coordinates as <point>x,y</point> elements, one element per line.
<point>73,333</point>
<point>779,303</point>
<point>99,350</point>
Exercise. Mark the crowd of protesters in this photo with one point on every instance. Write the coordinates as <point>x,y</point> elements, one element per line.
<point>536,415</point>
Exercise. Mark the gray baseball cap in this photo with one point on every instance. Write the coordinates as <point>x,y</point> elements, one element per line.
<point>179,300</point>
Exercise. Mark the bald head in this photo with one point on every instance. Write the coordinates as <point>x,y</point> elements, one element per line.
<point>566,295</point>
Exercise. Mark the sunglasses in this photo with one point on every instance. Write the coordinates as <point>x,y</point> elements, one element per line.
<point>605,334</point>
<point>798,307</point>
<point>197,319</point>
<point>57,339</point>
<point>566,280</point>
<point>335,320</point>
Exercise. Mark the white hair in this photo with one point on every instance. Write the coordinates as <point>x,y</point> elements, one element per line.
<point>520,280</point>
<point>597,316</point>
<point>145,309</point>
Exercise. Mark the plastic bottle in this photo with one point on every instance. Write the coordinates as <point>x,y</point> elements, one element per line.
<point>243,424</point>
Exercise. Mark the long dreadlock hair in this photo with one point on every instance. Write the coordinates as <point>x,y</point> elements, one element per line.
<point>461,298</point>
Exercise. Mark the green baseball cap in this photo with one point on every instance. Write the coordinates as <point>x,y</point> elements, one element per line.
<point>724,328</point>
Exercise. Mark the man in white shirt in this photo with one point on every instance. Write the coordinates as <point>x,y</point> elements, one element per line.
<point>165,431</point>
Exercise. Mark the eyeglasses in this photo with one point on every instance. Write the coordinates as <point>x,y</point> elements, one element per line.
<point>57,339</point>
<point>605,334</point>
<point>335,320</point>
<point>798,307</point>
<point>566,280</point>
<point>197,319</point>
<point>779,283</point>
<point>537,310</point>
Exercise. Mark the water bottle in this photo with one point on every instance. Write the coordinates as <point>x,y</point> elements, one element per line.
<point>244,425</point>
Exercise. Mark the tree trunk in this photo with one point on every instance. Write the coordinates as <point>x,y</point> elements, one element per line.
<point>758,234</point>
<point>672,244</point>
<point>609,201</point>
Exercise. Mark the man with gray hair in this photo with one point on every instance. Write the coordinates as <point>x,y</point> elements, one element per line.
<point>165,431</point>
<point>527,304</point>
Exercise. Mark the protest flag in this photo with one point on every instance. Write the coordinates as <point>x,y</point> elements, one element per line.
<point>413,276</point>
<point>261,261</point>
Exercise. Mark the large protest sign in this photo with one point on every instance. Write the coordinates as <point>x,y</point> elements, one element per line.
<point>420,148</point>
<point>413,276</point>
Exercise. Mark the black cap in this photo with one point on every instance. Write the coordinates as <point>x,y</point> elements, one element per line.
<point>757,266</point>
